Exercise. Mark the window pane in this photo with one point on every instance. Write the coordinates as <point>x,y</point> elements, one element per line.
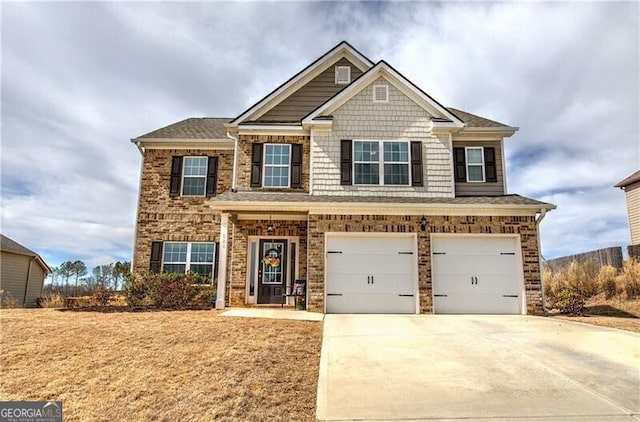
<point>201,252</point>
<point>367,174</point>
<point>396,151</point>
<point>195,166</point>
<point>475,174</point>
<point>474,156</point>
<point>174,268</point>
<point>396,174</point>
<point>276,176</point>
<point>193,186</point>
<point>204,270</point>
<point>366,151</point>
<point>277,154</point>
<point>175,252</point>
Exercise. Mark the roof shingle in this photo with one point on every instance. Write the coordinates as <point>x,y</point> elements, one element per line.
<point>10,245</point>
<point>192,128</point>
<point>472,120</point>
<point>635,177</point>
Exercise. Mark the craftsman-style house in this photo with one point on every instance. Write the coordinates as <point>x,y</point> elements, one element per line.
<point>352,178</point>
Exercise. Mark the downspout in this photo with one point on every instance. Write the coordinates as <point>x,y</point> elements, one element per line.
<point>234,186</point>
<point>26,285</point>
<point>539,218</point>
<point>135,234</point>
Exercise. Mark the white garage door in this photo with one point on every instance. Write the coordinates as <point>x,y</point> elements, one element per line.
<point>370,274</point>
<point>476,275</point>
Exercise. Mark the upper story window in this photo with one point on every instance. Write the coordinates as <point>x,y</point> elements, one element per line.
<point>193,176</point>
<point>184,257</point>
<point>277,161</point>
<point>276,165</point>
<point>343,75</point>
<point>381,93</point>
<point>475,164</point>
<point>381,163</point>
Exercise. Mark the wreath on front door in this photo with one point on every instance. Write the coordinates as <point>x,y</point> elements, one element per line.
<point>271,258</point>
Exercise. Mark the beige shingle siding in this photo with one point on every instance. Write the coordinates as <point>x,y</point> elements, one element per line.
<point>632,192</point>
<point>310,96</point>
<point>485,188</point>
<point>399,119</point>
<point>13,272</point>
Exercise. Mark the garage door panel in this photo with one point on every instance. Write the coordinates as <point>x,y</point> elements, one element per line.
<point>370,303</point>
<point>370,274</point>
<point>476,274</point>
<point>476,304</point>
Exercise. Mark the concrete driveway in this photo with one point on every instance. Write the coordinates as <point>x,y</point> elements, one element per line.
<point>476,368</point>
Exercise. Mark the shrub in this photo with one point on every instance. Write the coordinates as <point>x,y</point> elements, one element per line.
<point>170,290</point>
<point>136,288</point>
<point>630,278</point>
<point>101,295</point>
<point>7,301</point>
<point>51,300</point>
<point>607,280</point>
<point>202,296</point>
<point>582,277</point>
<point>569,301</point>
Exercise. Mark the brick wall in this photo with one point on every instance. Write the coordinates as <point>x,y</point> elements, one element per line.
<point>236,285</point>
<point>524,226</point>
<point>399,119</point>
<point>162,218</point>
<point>244,159</point>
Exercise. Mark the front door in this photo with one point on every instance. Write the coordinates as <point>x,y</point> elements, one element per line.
<point>272,274</point>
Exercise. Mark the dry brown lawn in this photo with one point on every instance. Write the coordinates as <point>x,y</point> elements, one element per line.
<point>615,313</point>
<point>179,365</point>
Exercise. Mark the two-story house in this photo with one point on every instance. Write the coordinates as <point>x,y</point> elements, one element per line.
<point>352,178</point>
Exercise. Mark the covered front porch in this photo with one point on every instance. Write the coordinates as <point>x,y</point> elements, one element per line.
<point>263,257</point>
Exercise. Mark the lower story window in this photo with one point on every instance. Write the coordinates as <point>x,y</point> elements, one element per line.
<point>184,257</point>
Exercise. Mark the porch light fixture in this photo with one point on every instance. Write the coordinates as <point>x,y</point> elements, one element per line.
<point>423,223</point>
<point>270,228</point>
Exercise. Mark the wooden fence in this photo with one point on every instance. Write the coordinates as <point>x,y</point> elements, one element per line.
<point>608,256</point>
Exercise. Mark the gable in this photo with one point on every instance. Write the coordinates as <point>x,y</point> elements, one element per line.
<point>310,96</point>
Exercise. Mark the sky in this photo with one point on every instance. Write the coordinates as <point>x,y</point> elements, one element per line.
<point>80,79</point>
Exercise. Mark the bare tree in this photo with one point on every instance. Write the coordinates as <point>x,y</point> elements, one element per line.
<point>79,270</point>
<point>66,271</point>
<point>120,271</point>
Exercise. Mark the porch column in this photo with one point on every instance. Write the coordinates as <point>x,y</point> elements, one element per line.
<point>222,264</point>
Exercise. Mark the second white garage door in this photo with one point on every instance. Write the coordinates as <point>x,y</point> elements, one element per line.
<point>476,274</point>
<point>370,274</point>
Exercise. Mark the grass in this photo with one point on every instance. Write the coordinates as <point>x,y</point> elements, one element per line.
<point>617,312</point>
<point>165,366</point>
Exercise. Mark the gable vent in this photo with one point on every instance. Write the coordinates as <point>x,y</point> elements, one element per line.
<point>380,93</point>
<point>343,75</point>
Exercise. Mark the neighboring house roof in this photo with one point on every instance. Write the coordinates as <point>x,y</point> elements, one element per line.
<point>192,128</point>
<point>10,245</point>
<point>281,198</point>
<point>635,177</point>
<point>472,120</point>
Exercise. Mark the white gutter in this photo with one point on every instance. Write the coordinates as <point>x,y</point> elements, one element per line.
<point>539,218</point>
<point>234,186</point>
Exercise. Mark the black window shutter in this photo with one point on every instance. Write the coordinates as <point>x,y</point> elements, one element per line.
<point>216,260</point>
<point>490,164</point>
<point>155,265</point>
<point>256,165</point>
<point>176,176</point>
<point>416,163</point>
<point>460,164</point>
<point>345,161</point>
<point>296,165</point>
<point>212,176</point>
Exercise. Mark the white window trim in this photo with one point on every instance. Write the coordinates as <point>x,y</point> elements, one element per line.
<point>187,264</point>
<point>467,164</point>
<point>386,97</point>
<point>381,161</point>
<point>265,165</point>
<point>339,82</point>
<point>184,159</point>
